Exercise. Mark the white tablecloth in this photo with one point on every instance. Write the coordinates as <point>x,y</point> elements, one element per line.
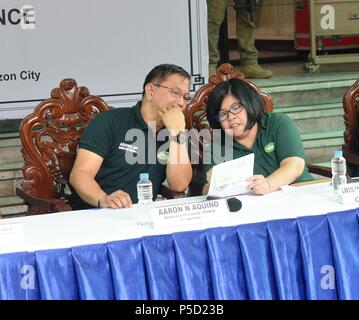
<point>68,229</point>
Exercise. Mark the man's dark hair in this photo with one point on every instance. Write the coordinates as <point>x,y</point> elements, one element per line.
<point>246,95</point>
<point>161,72</point>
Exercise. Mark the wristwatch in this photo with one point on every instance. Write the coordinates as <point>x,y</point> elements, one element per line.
<point>180,138</point>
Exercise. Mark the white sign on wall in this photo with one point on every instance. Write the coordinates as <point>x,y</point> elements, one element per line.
<point>107,46</point>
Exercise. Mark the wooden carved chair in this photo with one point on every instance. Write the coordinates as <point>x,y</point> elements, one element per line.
<point>351,133</point>
<point>196,118</point>
<point>49,137</point>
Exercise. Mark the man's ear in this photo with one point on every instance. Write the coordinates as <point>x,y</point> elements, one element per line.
<point>149,90</point>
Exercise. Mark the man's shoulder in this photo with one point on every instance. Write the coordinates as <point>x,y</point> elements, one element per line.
<point>115,115</point>
<point>116,112</point>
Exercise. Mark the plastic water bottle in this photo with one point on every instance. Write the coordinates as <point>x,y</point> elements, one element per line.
<point>144,190</point>
<point>339,170</point>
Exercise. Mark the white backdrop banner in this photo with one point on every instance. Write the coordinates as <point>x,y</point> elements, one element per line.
<point>108,46</point>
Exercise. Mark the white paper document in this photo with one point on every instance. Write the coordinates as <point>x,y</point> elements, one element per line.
<point>230,178</point>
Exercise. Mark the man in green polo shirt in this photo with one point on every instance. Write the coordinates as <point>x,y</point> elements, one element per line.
<point>236,110</point>
<point>121,143</point>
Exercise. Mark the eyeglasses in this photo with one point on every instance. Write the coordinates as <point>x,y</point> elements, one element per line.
<point>176,93</point>
<point>234,109</point>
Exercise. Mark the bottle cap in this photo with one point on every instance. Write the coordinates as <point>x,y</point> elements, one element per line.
<point>338,153</point>
<point>144,175</point>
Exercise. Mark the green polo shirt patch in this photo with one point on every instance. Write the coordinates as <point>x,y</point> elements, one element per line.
<point>128,147</point>
<point>270,147</point>
<point>163,155</point>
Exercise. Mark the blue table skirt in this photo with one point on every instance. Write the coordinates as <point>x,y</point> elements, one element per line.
<point>313,257</point>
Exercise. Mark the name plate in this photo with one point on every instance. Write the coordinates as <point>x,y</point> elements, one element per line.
<point>349,193</point>
<point>190,213</point>
<point>11,234</point>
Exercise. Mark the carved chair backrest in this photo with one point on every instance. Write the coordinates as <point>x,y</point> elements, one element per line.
<point>50,135</point>
<point>351,133</point>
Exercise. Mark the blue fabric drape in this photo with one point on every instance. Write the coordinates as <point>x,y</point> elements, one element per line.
<point>287,263</point>
<point>128,271</point>
<point>226,268</point>
<point>93,272</point>
<point>317,258</point>
<point>344,233</point>
<point>193,265</point>
<point>57,277</point>
<point>160,261</point>
<point>306,258</point>
<point>257,261</point>
<point>18,277</point>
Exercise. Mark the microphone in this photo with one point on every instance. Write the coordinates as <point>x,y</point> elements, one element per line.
<point>234,204</point>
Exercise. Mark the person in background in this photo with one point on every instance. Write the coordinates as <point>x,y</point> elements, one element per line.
<point>102,175</point>
<point>245,29</point>
<point>237,110</point>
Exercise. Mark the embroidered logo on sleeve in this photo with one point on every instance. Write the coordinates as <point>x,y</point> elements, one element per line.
<point>270,147</point>
<point>128,147</point>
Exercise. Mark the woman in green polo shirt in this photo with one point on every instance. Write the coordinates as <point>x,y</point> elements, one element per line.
<point>237,110</point>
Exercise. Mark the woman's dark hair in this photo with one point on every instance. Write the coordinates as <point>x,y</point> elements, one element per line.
<point>161,72</point>
<point>246,95</point>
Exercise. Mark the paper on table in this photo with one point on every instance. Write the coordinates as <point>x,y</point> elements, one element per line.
<point>230,178</point>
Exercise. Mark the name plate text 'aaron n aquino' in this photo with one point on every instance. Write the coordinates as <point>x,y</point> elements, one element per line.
<point>190,213</point>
